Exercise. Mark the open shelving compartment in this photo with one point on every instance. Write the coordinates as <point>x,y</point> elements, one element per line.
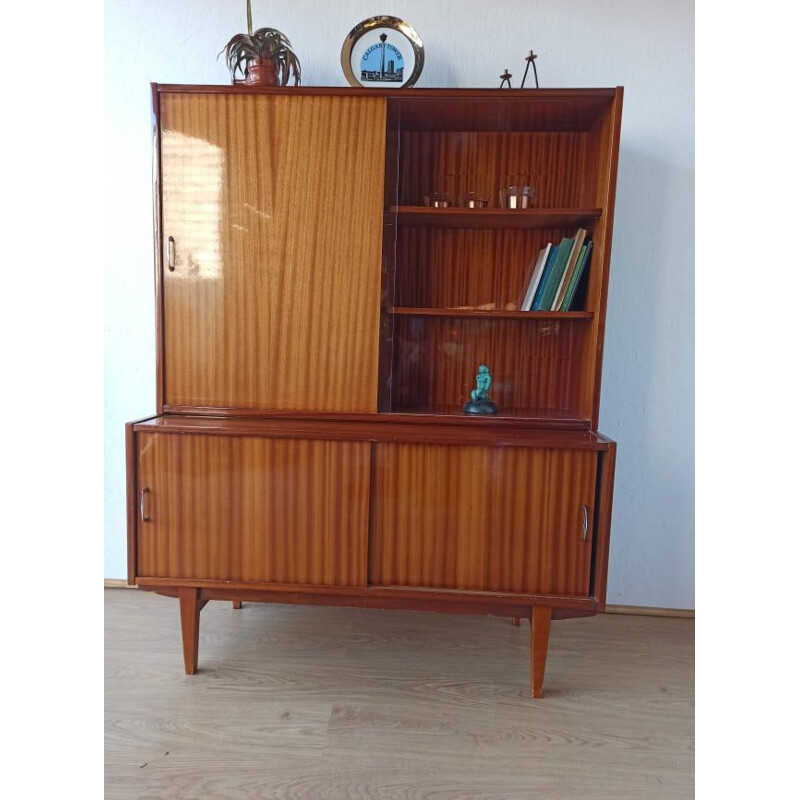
<point>453,277</point>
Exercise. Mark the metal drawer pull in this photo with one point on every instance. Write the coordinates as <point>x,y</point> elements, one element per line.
<point>171,254</point>
<point>142,512</point>
<point>585,530</point>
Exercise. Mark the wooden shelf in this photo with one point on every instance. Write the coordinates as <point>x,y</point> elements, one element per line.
<point>485,314</point>
<point>532,218</point>
<point>443,424</point>
<point>454,415</point>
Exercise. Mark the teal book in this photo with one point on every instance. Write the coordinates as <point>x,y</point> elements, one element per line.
<point>548,269</point>
<point>576,278</point>
<point>560,264</point>
<point>568,280</point>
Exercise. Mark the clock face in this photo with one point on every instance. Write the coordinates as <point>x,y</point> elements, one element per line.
<point>382,52</point>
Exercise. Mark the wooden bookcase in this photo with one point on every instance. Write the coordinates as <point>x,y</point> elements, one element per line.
<point>319,329</point>
<point>453,275</point>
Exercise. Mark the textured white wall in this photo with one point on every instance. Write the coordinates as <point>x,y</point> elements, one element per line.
<point>647,46</point>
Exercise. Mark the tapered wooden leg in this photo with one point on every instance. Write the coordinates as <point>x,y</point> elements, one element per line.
<point>540,637</point>
<point>515,621</point>
<point>190,626</point>
<point>237,603</point>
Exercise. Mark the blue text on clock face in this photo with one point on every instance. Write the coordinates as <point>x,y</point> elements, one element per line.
<point>382,61</point>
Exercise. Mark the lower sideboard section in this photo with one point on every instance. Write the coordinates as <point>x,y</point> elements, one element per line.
<point>293,506</point>
<point>328,514</point>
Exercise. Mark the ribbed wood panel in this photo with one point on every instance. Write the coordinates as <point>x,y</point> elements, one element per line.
<point>462,161</point>
<point>275,207</point>
<point>479,518</point>
<point>493,110</point>
<point>453,267</point>
<point>535,363</point>
<point>254,509</point>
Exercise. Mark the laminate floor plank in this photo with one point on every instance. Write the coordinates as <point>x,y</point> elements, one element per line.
<point>296,702</point>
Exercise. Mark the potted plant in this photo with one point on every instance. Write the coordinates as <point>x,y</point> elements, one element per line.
<point>263,58</point>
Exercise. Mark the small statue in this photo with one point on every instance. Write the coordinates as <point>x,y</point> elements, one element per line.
<point>531,59</point>
<point>480,402</point>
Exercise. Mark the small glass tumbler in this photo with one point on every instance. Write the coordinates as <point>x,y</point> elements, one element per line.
<point>475,200</point>
<point>516,197</point>
<point>439,200</point>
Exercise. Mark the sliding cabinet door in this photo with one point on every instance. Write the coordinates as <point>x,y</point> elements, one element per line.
<point>507,519</point>
<point>247,508</point>
<point>272,212</point>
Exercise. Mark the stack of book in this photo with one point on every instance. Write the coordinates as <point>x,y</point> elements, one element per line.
<point>554,276</point>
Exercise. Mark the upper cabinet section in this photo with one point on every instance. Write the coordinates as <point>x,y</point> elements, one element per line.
<point>271,224</point>
<point>353,252</point>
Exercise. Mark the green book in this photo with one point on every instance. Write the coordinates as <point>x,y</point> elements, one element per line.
<point>569,278</point>
<point>576,277</point>
<point>546,301</point>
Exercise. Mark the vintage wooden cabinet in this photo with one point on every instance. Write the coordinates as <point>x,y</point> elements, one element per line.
<point>319,329</point>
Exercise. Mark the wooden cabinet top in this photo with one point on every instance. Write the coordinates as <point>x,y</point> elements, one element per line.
<point>586,94</point>
<point>382,429</point>
<point>553,109</point>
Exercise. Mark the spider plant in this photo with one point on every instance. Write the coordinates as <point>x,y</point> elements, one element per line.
<point>265,49</point>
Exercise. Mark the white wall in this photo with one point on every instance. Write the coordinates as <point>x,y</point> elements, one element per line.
<point>646,46</point>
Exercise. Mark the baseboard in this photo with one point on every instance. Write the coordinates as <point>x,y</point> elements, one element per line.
<point>649,611</point>
<point>645,611</point>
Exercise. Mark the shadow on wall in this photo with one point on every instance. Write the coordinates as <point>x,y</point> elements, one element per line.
<point>648,382</point>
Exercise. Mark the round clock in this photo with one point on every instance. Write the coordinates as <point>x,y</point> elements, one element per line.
<point>383,53</point>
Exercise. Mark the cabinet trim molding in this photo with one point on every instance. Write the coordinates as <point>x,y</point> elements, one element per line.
<point>419,593</point>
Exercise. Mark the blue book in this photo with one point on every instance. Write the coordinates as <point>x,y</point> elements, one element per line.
<point>548,268</point>
<point>553,281</point>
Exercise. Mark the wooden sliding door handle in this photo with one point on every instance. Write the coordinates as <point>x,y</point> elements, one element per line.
<point>585,525</point>
<point>142,511</point>
<point>171,254</point>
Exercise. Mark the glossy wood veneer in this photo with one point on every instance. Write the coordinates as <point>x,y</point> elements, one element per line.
<point>455,109</point>
<point>536,363</point>
<point>445,415</point>
<point>445,261</point>
<point>553,163</point>
<point>271,208</point>
<point>443,267</point>
<point>407,311</point>
<point>604,156</point>
<point>497,218</point>
<point>253,509</point>
<point>539,110</point>
<point>132,492</point>
<point>482,518</point>
<point>474,431</point>
<point>602,533</point>
<point>540,638</point>
<point>398,597</point>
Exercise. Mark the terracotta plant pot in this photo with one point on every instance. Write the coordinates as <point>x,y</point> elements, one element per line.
<point>261,73</point>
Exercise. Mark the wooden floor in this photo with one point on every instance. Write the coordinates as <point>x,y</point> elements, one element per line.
<point>298,702</point>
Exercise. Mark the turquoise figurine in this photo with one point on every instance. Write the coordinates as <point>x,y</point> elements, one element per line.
<point>480,402</point>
